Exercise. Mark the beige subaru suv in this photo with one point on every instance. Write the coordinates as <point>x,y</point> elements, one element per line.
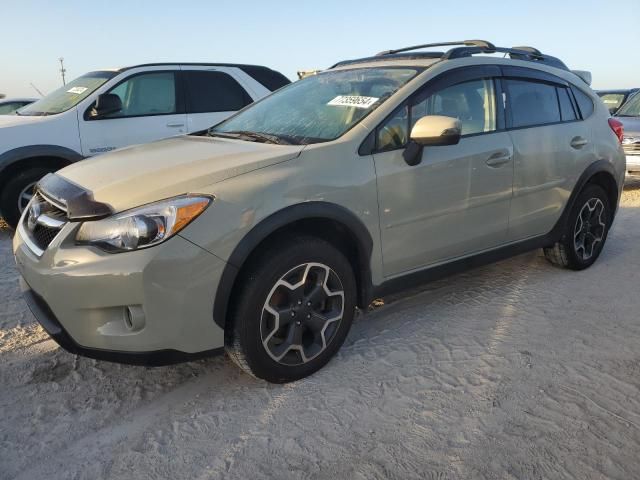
<point>264,234</point>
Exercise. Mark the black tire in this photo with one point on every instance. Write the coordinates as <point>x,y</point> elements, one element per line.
<point>12,190</point>
<point>566,253</point>
<point>247,325</point>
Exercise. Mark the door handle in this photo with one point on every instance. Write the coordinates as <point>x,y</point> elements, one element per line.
<point>578,142</point>
<point>175,125</point>
<point>498,159</point>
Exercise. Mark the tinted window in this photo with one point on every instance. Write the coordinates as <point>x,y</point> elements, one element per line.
<point>532,103</point>
<point>214,92</point>
<point>567,112</point>
<point>473,103</point>
<point>146,94</point>
<point>584,102</point>
<point>269,78</point>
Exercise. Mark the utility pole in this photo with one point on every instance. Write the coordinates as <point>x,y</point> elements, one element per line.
<point>62,70</point>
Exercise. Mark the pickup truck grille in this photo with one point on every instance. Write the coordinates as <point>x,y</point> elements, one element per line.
<point>42,223</point>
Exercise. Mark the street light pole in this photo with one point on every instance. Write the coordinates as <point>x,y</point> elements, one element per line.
<point>62,70</point>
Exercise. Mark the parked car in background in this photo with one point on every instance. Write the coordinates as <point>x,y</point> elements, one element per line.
<point>9,105</point>
<point>629,115</point>
<point>614,99</point>
<point>109,109</point>
<point>262,235</point>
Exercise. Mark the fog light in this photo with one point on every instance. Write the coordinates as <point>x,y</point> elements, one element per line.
<point>134,317</point>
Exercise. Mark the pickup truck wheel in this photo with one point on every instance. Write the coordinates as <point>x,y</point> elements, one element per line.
<point>17,192</point>
<point>293,312</point>
<point>585,232</point>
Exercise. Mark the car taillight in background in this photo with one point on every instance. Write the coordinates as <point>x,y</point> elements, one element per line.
<point>617,127</point>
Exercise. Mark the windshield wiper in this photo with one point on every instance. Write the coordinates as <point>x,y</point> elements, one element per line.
<point>252,136</point>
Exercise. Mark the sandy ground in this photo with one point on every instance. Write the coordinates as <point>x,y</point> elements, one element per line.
<point>516,370</point>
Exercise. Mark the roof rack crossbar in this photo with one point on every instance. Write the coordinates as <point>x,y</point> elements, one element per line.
<point>469,43</point>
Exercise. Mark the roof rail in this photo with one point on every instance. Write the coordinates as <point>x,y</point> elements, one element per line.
<point>517,53</point>
<point>468,43</point>
<point>462,49</point>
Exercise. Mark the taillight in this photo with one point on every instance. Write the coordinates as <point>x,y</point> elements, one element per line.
<point>617,127</point>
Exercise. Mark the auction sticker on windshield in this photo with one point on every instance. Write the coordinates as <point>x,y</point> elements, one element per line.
<point>77,90</point>
<point>353,101</point>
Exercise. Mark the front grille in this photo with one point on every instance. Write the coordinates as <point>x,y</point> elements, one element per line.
<point>631,148</point>
<point>43,222</point>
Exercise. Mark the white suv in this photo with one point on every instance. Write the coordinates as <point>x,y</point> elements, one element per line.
<point>108,109</point>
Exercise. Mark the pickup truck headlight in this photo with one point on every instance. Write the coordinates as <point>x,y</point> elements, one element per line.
<point>144,226</point>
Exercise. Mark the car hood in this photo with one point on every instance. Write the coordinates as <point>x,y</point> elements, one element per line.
<point>142,174</point>
<point>7,121</point>
<point>631,126</point>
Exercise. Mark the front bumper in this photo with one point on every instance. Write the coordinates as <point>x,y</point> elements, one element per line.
<point>152,306</point>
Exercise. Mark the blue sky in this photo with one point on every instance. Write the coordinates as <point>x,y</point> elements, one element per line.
<point>603,37</point>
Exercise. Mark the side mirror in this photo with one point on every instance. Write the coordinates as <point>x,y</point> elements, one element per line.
<point>436,130</point>
<point>106,104</point>
<point>431,130</point>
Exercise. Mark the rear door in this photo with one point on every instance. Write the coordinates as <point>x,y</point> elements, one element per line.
<point>152,109</point>
<point>212,94</point>
<point>551,143</point>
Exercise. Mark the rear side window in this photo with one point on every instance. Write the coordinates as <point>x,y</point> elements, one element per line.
<point>584,102</point>
<point>210,91</point>
<point>567,112</point>
<point>532,103</point>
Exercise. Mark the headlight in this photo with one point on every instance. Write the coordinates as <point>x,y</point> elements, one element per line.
<point>144,226</point>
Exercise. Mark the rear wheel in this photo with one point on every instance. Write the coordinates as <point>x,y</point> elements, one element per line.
<point>585,232</point>
<point>17,193</point>
<point>294,310</point>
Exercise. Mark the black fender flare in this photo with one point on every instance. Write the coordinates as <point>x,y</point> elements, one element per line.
<point>282,218</point>
<point>599,166</point>
<point>16,155</point>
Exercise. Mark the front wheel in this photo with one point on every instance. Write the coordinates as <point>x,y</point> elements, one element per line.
<point>585,232</point>
<point>294,310</point>
<point>17,193</point>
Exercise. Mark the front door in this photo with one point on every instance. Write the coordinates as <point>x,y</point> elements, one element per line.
<point>456,201</point>
<point>151,110</point>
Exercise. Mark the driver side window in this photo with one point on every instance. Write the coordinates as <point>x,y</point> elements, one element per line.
<point>473,103</point>
<point>146,94</point>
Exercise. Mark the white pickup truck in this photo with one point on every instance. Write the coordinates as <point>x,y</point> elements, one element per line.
<point>109,109</point>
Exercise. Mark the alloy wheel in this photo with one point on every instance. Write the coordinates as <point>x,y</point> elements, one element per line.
<point>302,314</point>
<point>26,194</point>
<point>590,228</point>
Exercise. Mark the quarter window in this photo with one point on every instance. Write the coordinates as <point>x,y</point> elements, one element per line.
<point>146,94</point>
<point>584,102</point>
<point>532,103</point>
<point>473,103</point>
<point>210,91</point>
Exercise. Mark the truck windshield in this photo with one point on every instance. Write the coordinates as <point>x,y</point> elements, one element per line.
<point>318,108</point>
<point>69,95</point>
<point>631,108</point>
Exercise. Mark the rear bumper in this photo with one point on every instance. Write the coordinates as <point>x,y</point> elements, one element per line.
<point>633,163</point>
<point>56,331</point>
